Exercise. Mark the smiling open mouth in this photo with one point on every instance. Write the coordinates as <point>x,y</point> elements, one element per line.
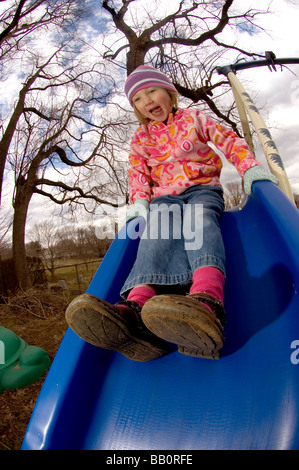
<point>156,110</point>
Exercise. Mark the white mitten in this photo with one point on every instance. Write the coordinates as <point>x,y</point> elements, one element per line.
<point>257,173</point>
<point>140,208</point>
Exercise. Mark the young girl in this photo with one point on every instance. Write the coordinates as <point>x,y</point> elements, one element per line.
<point>174,292</point>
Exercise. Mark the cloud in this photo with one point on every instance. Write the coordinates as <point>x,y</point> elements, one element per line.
<point>275,93</point>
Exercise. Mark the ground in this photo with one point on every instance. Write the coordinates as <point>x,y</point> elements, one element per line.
<point>38,317</point>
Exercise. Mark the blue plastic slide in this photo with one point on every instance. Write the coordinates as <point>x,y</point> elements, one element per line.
<point>249,399</point>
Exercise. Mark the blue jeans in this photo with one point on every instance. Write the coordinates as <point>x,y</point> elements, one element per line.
<point>182,234</point>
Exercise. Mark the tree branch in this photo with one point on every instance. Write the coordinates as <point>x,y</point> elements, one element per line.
<point>118,18</point>
<point>62,154</point>
<point>201,94</point>
<point>14,21</point>
<point>38,113</point>
<point>224,20</point>
<point>65,187</point>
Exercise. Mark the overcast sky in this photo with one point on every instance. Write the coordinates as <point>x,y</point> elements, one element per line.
<point>277,93</point>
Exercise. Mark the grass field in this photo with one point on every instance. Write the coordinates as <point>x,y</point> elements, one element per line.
<point>73,276</point>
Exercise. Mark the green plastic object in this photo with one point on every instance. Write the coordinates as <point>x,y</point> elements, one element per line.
<point>20,364</point>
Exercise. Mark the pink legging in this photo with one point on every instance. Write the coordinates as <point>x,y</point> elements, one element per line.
<point>206,279</point>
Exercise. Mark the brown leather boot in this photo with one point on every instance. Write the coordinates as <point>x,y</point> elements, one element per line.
<point>187,322</point>
<point>117,327</point>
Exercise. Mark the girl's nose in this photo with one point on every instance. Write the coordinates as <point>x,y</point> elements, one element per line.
<point>147,99</point>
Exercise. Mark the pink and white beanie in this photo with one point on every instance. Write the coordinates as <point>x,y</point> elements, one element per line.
<point>143,77</point>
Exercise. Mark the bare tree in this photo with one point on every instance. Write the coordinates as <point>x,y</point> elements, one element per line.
<point>53,123</point>
<point>62,135</point>
<point>20,22</point>
<point>45,236</point>
<point>65,246</point>
<point>183,43</point>
<point>233,195</point>
<point>22,18</point>
<point>61,116</point>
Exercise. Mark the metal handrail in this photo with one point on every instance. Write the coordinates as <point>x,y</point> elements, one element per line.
<point>256,63</point>
<point>245,105</point>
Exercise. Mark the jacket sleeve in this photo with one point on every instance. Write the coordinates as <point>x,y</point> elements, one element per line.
<point>139,173</point>
<point>234,148</point>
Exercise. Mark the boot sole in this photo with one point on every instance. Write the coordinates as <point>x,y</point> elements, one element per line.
<point>190,325</point>
<point>97,323</point>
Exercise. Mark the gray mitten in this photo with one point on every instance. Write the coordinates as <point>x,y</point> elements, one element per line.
<point>257,173</point>
<point>140,208</point>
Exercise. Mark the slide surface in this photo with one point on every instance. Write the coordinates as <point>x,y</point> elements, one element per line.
<point>249,399</point>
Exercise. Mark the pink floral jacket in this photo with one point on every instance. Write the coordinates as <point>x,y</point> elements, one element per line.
<point>168,159</point>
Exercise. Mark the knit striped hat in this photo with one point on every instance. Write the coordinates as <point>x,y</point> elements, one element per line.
<point>143,77</point>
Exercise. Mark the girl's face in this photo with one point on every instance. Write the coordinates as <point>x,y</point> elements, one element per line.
<point>153,103</point>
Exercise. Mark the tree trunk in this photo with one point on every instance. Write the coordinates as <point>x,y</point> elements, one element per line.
<point>11,128</point>
<point>22,199</point>
<point>136,56</point>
